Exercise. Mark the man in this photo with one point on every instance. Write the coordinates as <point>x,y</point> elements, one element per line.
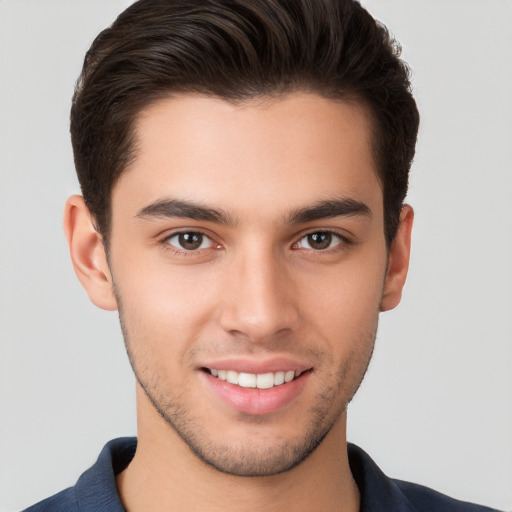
<point>243,168</point>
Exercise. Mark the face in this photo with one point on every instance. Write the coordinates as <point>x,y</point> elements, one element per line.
<point>249,266</point>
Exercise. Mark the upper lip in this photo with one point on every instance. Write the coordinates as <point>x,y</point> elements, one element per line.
<point>251,365</point>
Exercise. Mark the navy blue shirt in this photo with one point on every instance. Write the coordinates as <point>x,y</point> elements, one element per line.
<point>96,489</point>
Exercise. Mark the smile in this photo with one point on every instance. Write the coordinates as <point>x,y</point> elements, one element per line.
<point>255,380</point>
<point>253,389</point>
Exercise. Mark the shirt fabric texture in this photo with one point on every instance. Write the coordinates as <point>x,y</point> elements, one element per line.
<point>95,490</point>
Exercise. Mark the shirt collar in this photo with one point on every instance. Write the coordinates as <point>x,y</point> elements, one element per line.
<point>378,492</point>
<point>96,489</point>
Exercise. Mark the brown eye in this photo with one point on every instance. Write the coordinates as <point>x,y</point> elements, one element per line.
<point>189,241</point>
<point>320,241</point>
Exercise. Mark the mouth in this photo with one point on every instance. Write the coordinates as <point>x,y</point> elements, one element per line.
<point>257,388</point>
<point>256,380</point>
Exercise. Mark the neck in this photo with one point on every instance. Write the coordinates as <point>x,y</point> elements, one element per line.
<point>165,476</point>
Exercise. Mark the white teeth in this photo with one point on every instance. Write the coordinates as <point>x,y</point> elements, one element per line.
<point>247,380</point>
<point>265,380</point>
<point>278,378</point>
<point>253,380</point>
<point>288,376</point>
<point>232,377</point>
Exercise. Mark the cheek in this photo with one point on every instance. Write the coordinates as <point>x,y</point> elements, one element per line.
<point>351,289</point>
<point>342,303</point>
<point>162,302</point>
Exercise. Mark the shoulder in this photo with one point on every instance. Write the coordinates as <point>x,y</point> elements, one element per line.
<point>383,494</point>
<point>95,490</point>
<point>424,498</point>
<point>64,501</point>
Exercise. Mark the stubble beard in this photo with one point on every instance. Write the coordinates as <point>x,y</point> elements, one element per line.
<point>250,460</point>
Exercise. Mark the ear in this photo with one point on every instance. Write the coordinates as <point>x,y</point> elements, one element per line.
<point>88,254</point>
<point>398,261</point>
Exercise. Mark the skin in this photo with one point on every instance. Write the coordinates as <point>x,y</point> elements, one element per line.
<point>257,289</point>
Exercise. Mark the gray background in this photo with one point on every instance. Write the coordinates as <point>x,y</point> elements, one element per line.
<point>436,406</point>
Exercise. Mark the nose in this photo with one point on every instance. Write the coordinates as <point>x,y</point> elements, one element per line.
<point>260,301</point>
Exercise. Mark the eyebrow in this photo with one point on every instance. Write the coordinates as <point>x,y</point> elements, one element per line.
<point>176,208</point>
<point>329,209</point>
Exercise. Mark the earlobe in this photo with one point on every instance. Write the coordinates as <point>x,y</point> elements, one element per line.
<point>88,254</point>
<point>398,261</point>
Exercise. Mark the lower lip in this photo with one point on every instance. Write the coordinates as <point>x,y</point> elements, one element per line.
<point>254,401</point>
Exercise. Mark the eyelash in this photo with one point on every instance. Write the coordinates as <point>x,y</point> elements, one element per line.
<point>343,242</point>
<point>184,252</point>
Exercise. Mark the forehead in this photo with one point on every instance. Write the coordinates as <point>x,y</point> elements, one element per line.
<point>266,154</point>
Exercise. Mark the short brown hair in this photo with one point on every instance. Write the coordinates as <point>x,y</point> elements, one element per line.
<point>236,50</point>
